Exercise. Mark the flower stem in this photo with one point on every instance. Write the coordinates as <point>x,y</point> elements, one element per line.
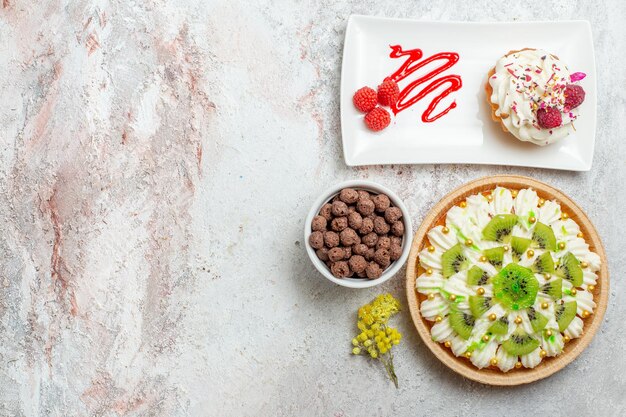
<point>388,362</point>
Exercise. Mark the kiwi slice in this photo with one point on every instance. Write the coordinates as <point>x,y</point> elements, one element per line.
<point>519,246</point>
<point>564,314</point>
<point>520,343</point>
<point>553,289</point>
<point>477,276</point>
<point>543,264</point>
<point>515,287</point>
<point>500,326</point>
<point>570,269</point>
<point>494,256</point>
<point>537,320</point>
<point>543,236</point>
<point>461,322</point>
<point>499,227</point>
<point>453,260</point>
<point>479,304</point>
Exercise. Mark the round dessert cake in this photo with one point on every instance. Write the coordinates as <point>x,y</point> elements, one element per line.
<point>534,96</point>
<point>505,279</point>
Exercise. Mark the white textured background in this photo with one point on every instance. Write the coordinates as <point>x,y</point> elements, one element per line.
<point>156,162</point>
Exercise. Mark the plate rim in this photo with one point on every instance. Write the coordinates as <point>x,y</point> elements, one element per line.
<point>546,368</point>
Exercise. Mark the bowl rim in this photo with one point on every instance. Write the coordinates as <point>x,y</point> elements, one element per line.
<point>367,185</point>
<point>574,347</point>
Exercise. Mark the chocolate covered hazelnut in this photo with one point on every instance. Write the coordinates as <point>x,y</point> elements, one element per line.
<point>393,214</point>
<point>349,237</point>
<point>316,240</point>
<point>319,223</point>
<point>367,226</point>
<point>381,257</point>
<point>381,202</point>
<point>357,263</point>
<point>370,239</point>
<point>380,226</point>
<point>365,207</point>
<point>339,223</point>
<point>322,253</point>
<point>373,270</point>
<point>396,240</point>
<point>339,209</point>
<point>326,212</point>
<point>395,252</point>
<point>364,195</point>
<point>359,249</point>
<point>341,269</point>
<point>397,228</point>
<point>347,253</point>
<point>383,242</point>
<point>336,254</point>
<point>349,196</point>
<point>331,239</point>
<point>355,220</point>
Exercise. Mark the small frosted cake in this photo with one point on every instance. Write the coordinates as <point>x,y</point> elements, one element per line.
<point>508,279</point>
<point>533,96</point>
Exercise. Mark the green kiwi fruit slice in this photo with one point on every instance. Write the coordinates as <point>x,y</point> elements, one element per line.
<point>537,320</point>
<point>519,246</point>
<point>499,227</point>
<point>564,314</point>
<point>543,264</point>
<point>553,289</point>
<point>520,343</point>
<point>453,260</point>
<point>543,236</point>
<point>479,304</point>
<point>461,322</point>
<point>570,269</point>
<point>477,276</point>
<point>500,326</point>
<point>494,256</point>
<point>515,287</point>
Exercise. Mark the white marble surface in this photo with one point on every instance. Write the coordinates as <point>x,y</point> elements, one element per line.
<point>157,160</point>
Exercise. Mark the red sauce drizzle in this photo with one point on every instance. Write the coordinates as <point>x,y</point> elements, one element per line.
<point>411,65</point>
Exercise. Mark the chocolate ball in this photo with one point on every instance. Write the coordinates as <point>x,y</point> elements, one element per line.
<point>381,202</point>
<point>373,270</point>
<point>364,195</point>
<point>370,239</point>
<point>393,214</point>
<point>339,223</point>
<point>395,252</point>
<point>397,228</point>
<point>395,240</point>
<point>367,226</point>
<point>355,220</point>
<point>316,240</point>
<point>361,274</point>
<point>369,255</point>
<point>349,196</point>
<point>357,263</point>
<point>351,209</point>
<point>360,249</point>
<point>340,269</point>
<point>349,237</point>
<point>336,254</point>
<point>383,242</point>
<point>326,212</point>
<point>339,208</point>
<point>365,207</point>
<point>348,252</point>
<point>322,253</point>
<point>380,226</point>
<point>319,223</point>
<point>331,239</point>
<point>381,257</point>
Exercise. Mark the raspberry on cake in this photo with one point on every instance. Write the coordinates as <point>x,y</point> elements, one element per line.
<point>533,96</point>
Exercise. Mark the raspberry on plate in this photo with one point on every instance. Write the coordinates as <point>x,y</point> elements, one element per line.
<point>549,118</point>
<point>377,119</point>
<point>388,92</point>
<point>365,99</point>
<point>574,96</point>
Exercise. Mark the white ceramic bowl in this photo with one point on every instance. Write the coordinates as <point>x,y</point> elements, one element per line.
<point>406,240</point>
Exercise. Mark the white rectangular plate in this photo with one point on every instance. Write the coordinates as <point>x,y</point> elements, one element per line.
<point>466,134</point>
